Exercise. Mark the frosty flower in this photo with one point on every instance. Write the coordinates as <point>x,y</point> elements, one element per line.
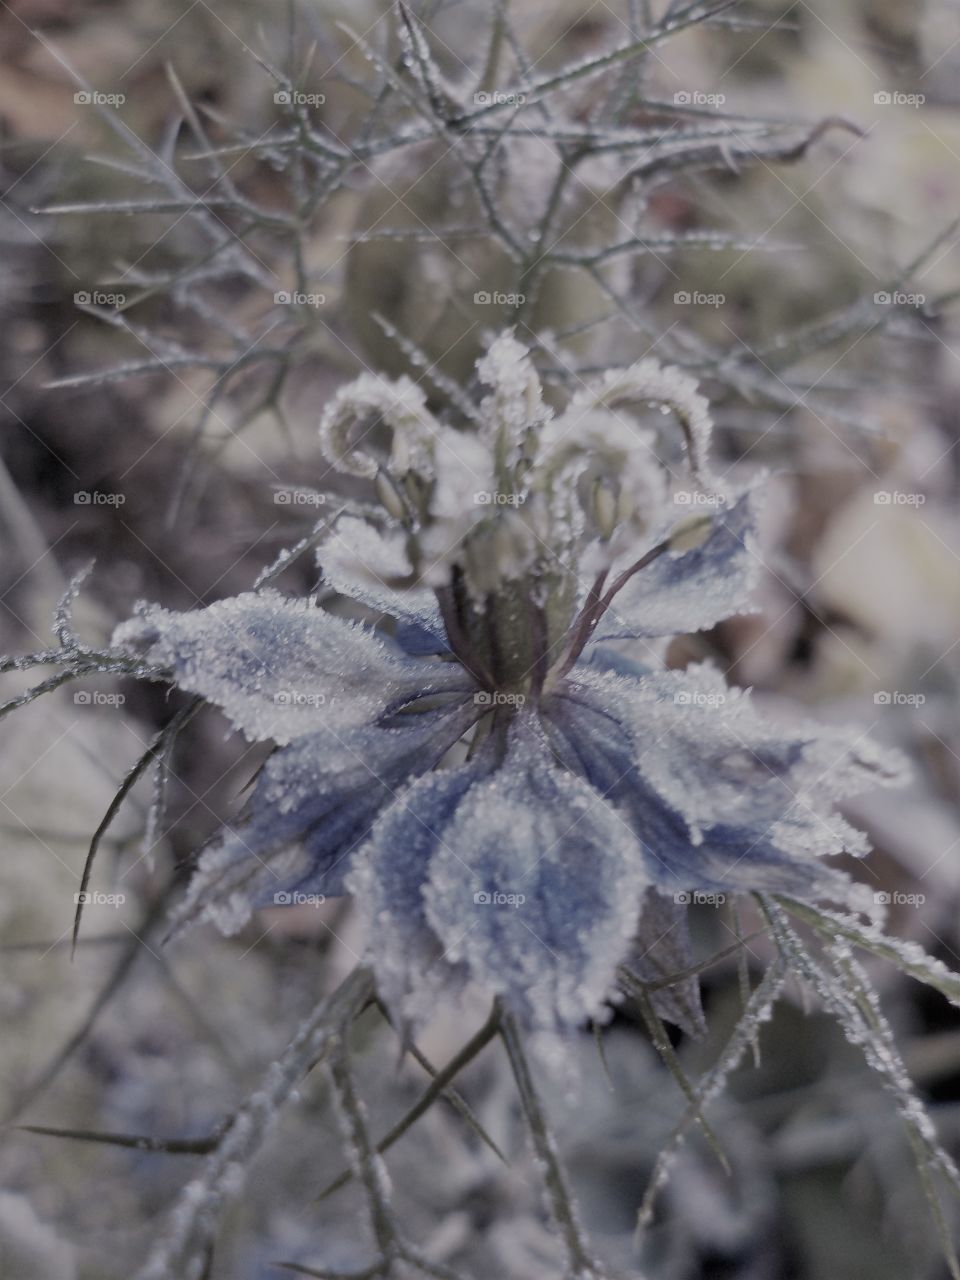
<point>502,770</point>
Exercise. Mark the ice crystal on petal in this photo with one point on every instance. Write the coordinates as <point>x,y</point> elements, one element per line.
<point>388,884</point>
<point>717,804</point>
<point>718,758</point>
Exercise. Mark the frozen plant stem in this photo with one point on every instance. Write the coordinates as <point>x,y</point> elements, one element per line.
<point>438,1087</point>
<point>579,1263</point>
<point>371,1172</point>
<point>368,1166</point>
<point>181,1249</point>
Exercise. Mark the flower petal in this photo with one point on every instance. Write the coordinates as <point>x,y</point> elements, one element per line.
<point>313,805</point>
<point>280,668</point>
<point>388,880</point>
<point>684,591</point>
<point>723,762</point>
<point>641,386</point>
<point>719,800</point>
<point>536,885</point>
<point>359,561</point>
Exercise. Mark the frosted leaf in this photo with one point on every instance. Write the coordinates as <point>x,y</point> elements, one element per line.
<point>685,591</point>
<point>516,403</point>
<point>536,885</point>
<point>909,957</point>
<point>359,561</point>
<point>375,422</point>
<point>848,995</point>
<point>387,883</point>
<point>280,668</point>
<point>758,1010</point>
<point>663,948</point>
<point>312,807</point>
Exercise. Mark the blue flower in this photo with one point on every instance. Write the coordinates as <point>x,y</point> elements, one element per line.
<point>499,767</point>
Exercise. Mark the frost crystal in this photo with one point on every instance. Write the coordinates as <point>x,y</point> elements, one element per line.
<point>505,794</point>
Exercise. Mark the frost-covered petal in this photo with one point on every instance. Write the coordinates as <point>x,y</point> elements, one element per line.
<point>640,660</point>
<point>280,668</point>
<point>706,748</point>
<point>685,591</point>
<point>359,561</point>
<point>613,731</point>
<point>536,885</point>
<point>313,805</point>
<point>388,880</point>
